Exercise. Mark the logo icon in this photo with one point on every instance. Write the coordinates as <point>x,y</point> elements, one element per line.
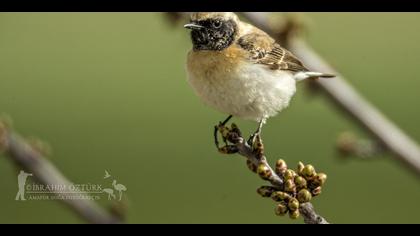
<point>118,187</point>
<point>21,183</point>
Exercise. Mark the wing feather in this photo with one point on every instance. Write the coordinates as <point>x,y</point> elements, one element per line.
<point>264,50</point>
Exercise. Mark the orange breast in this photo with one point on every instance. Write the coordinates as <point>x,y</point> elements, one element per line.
<point>210,64</point>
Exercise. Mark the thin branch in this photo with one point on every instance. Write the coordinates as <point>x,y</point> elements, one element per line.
<point>347,99</point>
<point>244,149</point>
<point>31,160</point>
<point>310,216</point>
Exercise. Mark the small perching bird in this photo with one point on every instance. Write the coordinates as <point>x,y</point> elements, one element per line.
<point>239,69</point>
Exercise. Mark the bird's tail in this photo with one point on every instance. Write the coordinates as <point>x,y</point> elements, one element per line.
<point>311,75</point>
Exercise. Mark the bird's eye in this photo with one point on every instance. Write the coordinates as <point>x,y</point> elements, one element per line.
<point>217,24</point>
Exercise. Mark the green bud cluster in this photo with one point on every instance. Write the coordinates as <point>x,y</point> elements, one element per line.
<point>299,187</point>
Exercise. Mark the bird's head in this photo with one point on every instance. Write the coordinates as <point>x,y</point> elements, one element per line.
<point>213,30</point>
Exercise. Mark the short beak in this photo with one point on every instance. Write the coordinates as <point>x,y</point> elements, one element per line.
<point>193,26</point>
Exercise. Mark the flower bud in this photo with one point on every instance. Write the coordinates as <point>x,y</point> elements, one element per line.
<point>281,209</point>
<point>304,196</point>
<point>280,196</point>
<point>289,174</point>
<point>251,166</point>
<point>224,131</point>
<point>265,191</point>
<point>312,184</point>
<point>281,167</point>
<point>316,191</point>
<point>264,172</point>
<point>258,145</point>
<point>228,149</point>
<point>234,128</point>
<point>320,179</point>
<point>293,204</point>
<point>289,186</point>
<point>346,143</point>
<point>300,182</point>
<point>300,168</point>
<point>308,171</point>
<point>294,214</point>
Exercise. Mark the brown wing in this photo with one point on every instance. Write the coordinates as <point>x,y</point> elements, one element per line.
<point>264,50</point>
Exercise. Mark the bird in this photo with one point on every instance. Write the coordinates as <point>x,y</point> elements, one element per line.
<point>119,187</point>
<point>239,70</point>
<point>107,175</point>
<point>110,193</point>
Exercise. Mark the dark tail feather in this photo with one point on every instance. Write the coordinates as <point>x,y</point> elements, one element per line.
<point>327,76</point>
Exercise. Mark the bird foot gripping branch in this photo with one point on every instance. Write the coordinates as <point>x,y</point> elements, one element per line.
<point>231,137</point>
<point>292,190</point>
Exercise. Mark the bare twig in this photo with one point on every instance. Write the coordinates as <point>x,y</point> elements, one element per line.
<point>346,98</point>
<point>310,216</point>
<point>31,160</point>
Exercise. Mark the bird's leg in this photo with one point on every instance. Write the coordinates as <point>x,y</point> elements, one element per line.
<point>253,138</point>
<point>224,131</point>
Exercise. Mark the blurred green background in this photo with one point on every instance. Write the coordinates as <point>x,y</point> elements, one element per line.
<point>109,91</point>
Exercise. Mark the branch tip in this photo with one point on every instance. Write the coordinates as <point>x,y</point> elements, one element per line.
<point>291,190</point>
